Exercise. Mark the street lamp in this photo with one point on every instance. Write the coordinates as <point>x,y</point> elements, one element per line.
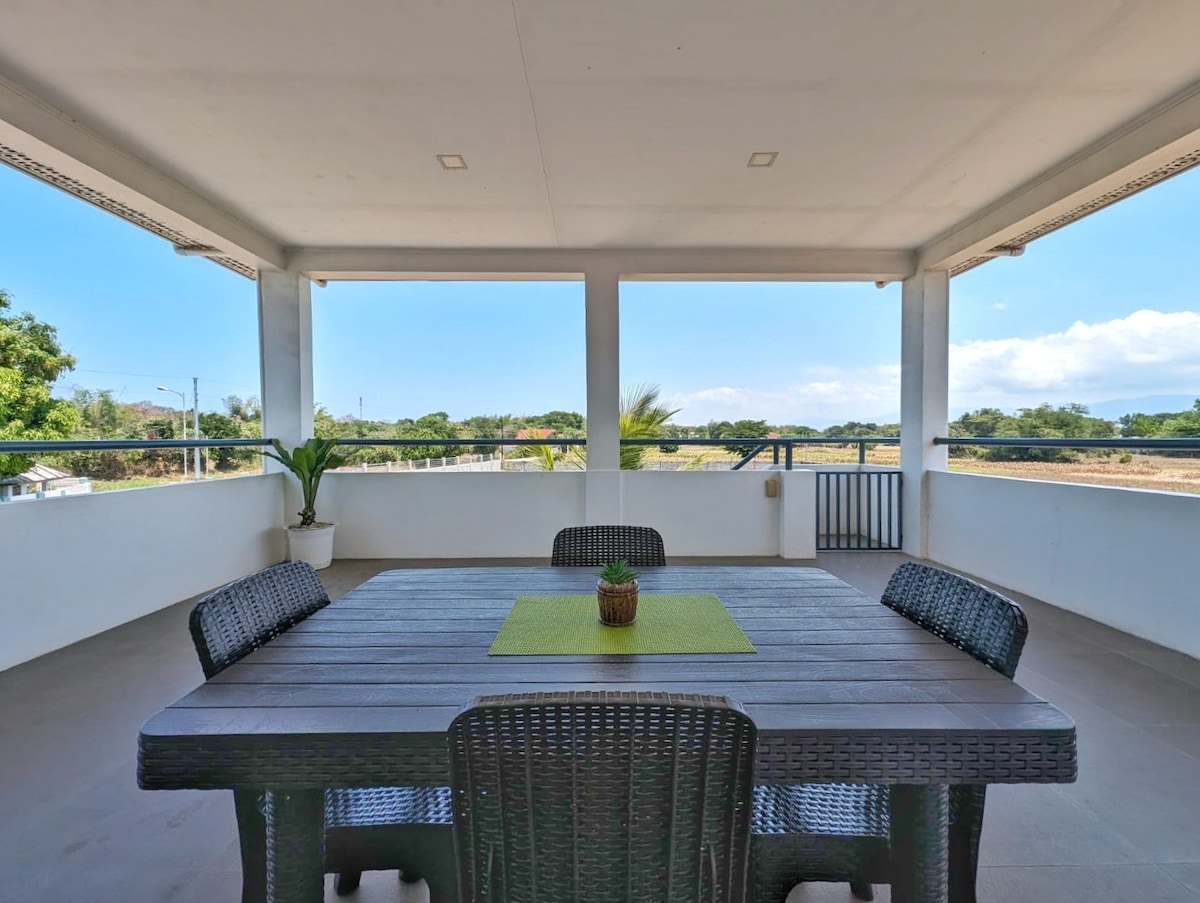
<point>183,417</point>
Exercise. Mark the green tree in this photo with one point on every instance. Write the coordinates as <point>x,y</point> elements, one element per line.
<point>745,429</point>
<point>30,361</point>
<point>222,426</point>
<point>1143,426</point>
<point>431,426</point>
<point>566,424</point>
<point>1183,425</point>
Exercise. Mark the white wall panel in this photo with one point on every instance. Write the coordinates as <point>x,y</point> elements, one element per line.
<point>80,565</point>
<point>1124,557</point>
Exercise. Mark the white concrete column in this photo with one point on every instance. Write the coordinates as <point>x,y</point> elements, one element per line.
<point>285,357</point>
<point>924,396</point>
<point>602,319</point>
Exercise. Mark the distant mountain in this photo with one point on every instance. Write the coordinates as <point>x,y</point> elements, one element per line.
<point>1149,404</point>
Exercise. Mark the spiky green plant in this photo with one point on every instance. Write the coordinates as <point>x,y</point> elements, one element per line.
<point>617,573</point>
<point>641,417</point>
<point>308,462</point>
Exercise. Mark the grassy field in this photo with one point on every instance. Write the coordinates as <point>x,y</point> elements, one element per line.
<point>142,482</point>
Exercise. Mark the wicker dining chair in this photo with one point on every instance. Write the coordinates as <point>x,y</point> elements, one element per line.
<point>840,832</point>
<point>405,828</point>
<point>602,796</point>
<point>597,545</point>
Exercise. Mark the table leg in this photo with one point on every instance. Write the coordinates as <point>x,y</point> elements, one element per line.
<point>296,846</point>
<point>920,850</point>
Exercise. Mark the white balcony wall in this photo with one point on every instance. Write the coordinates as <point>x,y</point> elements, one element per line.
<point>515,515</point>
<point>450,515</point>
<point>1124,557</point>
<point>706,512</point>
<point>79,565</point>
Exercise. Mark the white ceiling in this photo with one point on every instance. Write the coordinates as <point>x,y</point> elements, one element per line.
<point>585,124</point>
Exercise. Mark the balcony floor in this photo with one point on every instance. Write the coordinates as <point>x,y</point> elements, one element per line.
<point>75,826</point>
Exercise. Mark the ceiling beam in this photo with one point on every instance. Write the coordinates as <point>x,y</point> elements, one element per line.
<point>684,264</point>
<point>50,138</point>
<point>1152,142</point>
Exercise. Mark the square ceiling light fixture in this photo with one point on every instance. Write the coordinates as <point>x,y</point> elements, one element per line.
<point>760,159</point>
<point>452,161</point>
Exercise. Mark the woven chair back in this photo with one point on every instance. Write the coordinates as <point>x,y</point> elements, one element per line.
<point>230,623</point>
<point>603,796</point>
<point>980,621</point>
<point>597,545</point>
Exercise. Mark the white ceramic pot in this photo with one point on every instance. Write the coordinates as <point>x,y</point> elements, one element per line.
<point>312,544</point>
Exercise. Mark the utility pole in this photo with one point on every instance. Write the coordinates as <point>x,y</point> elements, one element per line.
<point>183,417</point>
<point>196,419</point>
<point>360,407</point>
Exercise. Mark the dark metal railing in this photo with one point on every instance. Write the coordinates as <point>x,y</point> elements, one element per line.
<point>41,446</point>
<point>1188,444</point>
<point>858,510</point>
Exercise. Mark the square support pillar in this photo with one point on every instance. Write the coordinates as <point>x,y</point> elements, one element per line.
<point>285,357</point>
<point>924,396</point>
<point>602,322</point>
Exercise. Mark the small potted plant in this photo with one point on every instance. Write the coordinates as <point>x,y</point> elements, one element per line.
<point>617,593</point>
<point>311,540</point>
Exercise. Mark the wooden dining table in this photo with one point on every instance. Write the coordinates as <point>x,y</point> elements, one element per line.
<point>842,689</point>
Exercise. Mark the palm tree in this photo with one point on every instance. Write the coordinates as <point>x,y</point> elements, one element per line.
<point>642,417</point>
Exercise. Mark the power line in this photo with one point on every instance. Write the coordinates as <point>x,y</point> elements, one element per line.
<point>219,382</point>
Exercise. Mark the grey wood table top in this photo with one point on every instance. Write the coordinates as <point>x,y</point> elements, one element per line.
<point>383,670</point>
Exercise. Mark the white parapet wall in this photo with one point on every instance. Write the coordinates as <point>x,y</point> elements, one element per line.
<point>79,565</point>
<point>1124,557</point>
<point>515,515</point>
<point>450,515</point>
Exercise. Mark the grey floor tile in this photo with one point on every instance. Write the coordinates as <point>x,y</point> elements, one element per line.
<point>1186,872</point>
<point>1144,790</point>
<point>1037,825</point>
<point>1135,692</point>
<point>1184,737</point>
<point>1081,884</point>
<point>829,892</point>
<point>1175,664</point>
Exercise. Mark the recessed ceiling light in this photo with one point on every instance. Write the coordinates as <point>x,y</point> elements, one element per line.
<point>452,161</point>
<point>762,158</point>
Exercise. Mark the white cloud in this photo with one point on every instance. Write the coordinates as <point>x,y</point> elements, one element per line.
<point>999,305</point>
<point>836,395</point>
<point>1146,353</point>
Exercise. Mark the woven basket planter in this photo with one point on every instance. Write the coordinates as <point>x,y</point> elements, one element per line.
<point>618,602</point>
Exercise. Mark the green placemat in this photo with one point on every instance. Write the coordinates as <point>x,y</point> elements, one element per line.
<point>666,623</point>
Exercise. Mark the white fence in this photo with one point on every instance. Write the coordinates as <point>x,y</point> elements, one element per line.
<point>461,463</point>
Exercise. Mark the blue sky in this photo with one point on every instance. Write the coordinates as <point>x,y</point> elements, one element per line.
<point>1104,309</point>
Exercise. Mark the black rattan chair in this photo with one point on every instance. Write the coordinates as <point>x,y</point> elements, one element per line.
<point>839,832</point>
<point>596,546</point>
<point>404,828</point>
<point>602,796</point>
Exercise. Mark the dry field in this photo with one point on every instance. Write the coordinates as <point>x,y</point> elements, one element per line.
<point>1141,472</point>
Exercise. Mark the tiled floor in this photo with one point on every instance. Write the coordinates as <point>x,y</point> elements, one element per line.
<point>74,826</point>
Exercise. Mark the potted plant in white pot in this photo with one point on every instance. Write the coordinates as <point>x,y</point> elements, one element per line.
<point>311,540</point>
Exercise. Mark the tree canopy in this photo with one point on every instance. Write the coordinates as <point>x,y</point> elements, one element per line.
<point>30,362</point>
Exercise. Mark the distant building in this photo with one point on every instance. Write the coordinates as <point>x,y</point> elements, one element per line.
<point>40,481</point>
